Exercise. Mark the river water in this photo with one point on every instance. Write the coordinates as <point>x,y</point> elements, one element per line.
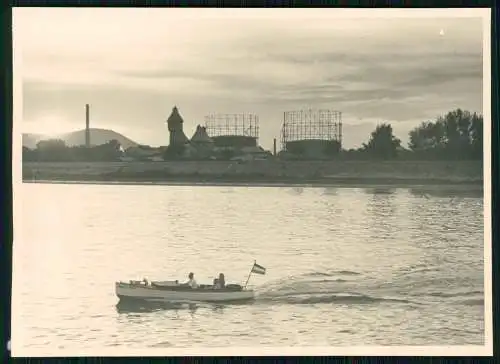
<point>345,266</point>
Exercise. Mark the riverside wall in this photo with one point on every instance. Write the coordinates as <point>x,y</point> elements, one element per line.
<point>445,171</point>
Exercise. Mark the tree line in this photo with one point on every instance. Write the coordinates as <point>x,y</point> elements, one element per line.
<point>457,135</point>
<point>56,150</point>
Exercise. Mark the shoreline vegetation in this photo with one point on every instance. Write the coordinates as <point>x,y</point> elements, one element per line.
<point>260,173</point>
<point>324,184</point>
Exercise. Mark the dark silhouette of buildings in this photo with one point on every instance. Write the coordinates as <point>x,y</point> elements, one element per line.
<point>175,127</point>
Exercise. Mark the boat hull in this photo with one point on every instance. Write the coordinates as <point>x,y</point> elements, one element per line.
<point>128,292</point>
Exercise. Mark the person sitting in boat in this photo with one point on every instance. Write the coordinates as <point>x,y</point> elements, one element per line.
<point>191,282</point>
<point>221,282</point>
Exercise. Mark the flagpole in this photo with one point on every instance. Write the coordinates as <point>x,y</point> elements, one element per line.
<point>250,274</point>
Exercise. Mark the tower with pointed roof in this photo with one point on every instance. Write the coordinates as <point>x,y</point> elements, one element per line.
<point>175,128</point>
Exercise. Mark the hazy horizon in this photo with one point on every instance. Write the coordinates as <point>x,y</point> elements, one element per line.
<point>133,65</point>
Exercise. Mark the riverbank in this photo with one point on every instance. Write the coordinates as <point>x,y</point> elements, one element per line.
<point>264,173</point>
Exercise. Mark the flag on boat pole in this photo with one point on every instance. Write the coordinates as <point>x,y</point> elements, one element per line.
<point>257,269</point>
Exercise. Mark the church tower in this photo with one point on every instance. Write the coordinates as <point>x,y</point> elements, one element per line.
<point>174,123</point>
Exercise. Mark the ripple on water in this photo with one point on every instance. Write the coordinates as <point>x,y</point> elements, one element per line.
<point>344,266</point>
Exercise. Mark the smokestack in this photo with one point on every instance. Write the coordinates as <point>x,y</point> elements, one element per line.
<point>87,126</point>
<point>274,147</point>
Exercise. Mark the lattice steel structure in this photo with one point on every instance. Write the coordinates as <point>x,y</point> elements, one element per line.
<point>311,125</point>
<point>232,125</point>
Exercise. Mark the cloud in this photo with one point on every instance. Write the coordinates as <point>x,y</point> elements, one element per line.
<point>133,65</point>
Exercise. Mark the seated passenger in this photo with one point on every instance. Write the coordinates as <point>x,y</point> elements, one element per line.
<point>221,283</point>
<point>191,282</point>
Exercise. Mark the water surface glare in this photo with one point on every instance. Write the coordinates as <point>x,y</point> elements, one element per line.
<point>345,266</point>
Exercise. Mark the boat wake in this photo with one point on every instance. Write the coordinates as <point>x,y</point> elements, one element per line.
<point>334,287</point>
<point>307,299</point>
<point>332,273</point>
<point>350,287</point>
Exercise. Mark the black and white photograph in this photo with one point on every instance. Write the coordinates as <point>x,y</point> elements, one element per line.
<point>216,181</point>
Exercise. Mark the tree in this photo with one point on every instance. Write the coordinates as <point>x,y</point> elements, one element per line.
<point>55,150</point>
<point>382,144</point>
<point>28,154</point>
<point>427,136</point>
<point>52,150</point>
<point>80,153</point>
<point>476,135</point>
<point>51,144</point>
<point>109,151</point>
<point>456,135</point>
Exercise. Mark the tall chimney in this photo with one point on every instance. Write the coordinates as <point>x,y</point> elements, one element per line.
<point>87,126</point>
<point>274,147</point>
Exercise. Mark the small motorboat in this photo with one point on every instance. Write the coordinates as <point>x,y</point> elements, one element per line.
<point>173,291</point>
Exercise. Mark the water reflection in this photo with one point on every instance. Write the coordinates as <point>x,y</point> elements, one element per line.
<point>218,308</point>
<point>381,212</point>
<point>448,192</point>
<point>381,203</point>
<point>331,191</point>
<point>297,190</point>
<point>333,206</point>
<point>380,190</point>
<point>124,307</point>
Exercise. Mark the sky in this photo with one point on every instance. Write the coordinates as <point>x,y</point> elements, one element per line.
<point>133,65</point>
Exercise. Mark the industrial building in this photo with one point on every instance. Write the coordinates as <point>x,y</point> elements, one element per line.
<point>311,134</point>
<point>233,130</point>
<point>224,136</point>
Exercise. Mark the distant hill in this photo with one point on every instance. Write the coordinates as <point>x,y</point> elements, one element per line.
<point>30,140</point>
<point>97,137</point>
